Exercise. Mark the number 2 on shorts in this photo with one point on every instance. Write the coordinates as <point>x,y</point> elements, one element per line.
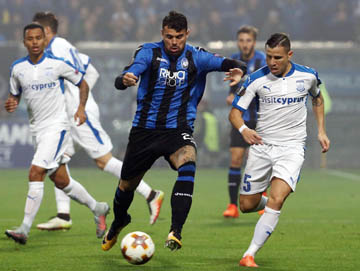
<point>247,186</point>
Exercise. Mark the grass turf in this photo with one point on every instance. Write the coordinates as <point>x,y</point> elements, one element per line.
<point>319,228</point>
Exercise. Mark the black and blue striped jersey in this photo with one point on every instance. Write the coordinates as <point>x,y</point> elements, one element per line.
<point>171,87</point>
<point>255,63</point>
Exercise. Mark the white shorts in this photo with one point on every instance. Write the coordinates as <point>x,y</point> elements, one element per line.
<point>90,136</point>
<point>50,147</point>
<point>267,161</point>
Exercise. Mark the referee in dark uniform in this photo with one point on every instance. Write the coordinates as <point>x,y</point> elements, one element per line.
<point>246,41</point>
<point>173,75</point>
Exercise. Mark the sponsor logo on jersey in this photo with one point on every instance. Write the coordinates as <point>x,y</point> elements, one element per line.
<point>161,59</point>
<point>184,63</point>
<point>40,87</point>
<point>172,79</point>
<point>282,100</point>
<point>266,87</point>
<point>300,85</point>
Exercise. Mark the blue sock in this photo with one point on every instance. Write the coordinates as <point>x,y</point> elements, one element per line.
<point>122,202</point>
<point>181,197</point>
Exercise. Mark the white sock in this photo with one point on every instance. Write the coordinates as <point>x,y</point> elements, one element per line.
<point>32,205</point>
<point>263,229</point>
<point>78,193</point>
<point>62,201</point>
<point>261,204</point>
<point>143,189</point>
<point>114,166</point>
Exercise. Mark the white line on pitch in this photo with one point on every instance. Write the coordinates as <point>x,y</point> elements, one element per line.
<point>343,174</point>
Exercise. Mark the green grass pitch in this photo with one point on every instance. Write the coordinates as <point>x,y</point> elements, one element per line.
<point>319,228</point>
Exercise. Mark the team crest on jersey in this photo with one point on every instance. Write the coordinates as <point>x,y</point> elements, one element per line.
<point>184,63</point>
<point>300,85</point>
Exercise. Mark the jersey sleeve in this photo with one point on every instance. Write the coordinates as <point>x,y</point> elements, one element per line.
<point>314,90</point>
<point>244,96</point>
<point>64,49</point>
<point>140,62</point>
<point>209,62</point>
<point>70,72</point>
<point>91,76</point>
<point>15,86</point>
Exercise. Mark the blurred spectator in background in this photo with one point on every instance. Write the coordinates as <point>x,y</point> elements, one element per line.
<point>130,20</point>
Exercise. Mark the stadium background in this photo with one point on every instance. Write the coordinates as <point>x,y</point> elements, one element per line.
<point>325,36</point>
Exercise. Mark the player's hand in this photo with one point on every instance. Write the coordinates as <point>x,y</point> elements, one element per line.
<point>251,137</point>
<point>324,142</point>
<point>229,99</point>
<point>129,79</point>
<point>80,116</point>
<point>234,75</point>
<point>11,104</point>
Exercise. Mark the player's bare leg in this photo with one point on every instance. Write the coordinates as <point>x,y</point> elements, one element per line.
<point>265,226</point>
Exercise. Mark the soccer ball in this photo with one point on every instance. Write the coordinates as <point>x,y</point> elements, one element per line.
<point>137,247</point>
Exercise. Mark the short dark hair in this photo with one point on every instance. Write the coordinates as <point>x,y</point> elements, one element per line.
<point>175,20</point>
<point>33,26</point>
<point>47,18</point>
<point>279,39</point>
<point>248,29</point>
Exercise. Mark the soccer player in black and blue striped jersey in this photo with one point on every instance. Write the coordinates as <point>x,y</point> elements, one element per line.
<point>173,75</point>
<point>254,59</point>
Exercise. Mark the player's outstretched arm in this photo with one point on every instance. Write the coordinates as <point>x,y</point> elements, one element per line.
<point>126,80</point>
<point>80,116</point>
<point>318,109</point>
<point>249,135</point>
<point>11,103</point>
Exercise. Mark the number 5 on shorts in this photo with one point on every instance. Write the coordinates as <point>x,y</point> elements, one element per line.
<point>247,184</point>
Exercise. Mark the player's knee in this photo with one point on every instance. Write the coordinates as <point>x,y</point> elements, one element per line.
<point>236,162</point>
<point>246,205</point>
<point>275,202</point>
<point>100,164</point>
<point>103,160</point>
<point>36,173</point>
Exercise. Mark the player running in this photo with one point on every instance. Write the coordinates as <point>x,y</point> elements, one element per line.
<point>39,78</point>
<point>277,147</point>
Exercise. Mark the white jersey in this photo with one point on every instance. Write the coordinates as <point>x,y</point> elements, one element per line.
<point>42,87</point>
<point>281,103</point>
<point>60,47</point>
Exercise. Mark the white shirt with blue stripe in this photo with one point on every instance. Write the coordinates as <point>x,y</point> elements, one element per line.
<point>60,47</point>
<point>41,85</point>
<point>281,103</point>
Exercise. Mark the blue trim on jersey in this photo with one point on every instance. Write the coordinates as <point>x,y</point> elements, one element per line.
<point>81,79</point>
<point>185,179</point>
<point>62,85</point>
<point>51,56</point>
<point>94,130</point>
<point>41,59</point>
<point>23,59</point>
<point>48,48</point>
<point>256,75</point>
<point>234,103</point>
<point>62,136</point>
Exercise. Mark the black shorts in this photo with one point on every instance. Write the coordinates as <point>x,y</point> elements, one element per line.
<point>147,145</point>
<point>236,139</point>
